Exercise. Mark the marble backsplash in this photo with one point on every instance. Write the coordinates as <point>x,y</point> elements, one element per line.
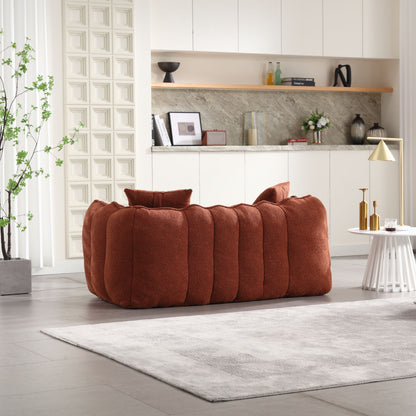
<point>284,111</point>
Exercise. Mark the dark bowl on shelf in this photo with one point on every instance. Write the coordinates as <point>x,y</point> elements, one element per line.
<point>168,67</point>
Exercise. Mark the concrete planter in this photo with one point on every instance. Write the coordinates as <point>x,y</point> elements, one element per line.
<point>15,276</point>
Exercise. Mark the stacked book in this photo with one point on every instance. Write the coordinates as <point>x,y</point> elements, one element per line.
<point>297,142</point>
<point>160,135</point>
<point>305,82</point>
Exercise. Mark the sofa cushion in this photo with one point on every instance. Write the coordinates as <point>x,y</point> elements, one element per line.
<point>276,193</point>
<point>180,198</point>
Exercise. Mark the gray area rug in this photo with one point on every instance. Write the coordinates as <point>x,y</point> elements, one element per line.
<point>240,355</point>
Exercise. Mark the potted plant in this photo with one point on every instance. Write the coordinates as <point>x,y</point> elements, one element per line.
<point>20,140</point>
<point>316,122</point>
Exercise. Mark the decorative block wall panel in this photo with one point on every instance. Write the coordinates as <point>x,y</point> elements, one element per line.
<point>99,92</point>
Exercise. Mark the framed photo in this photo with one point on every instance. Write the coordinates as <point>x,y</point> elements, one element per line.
<point>185,128</point>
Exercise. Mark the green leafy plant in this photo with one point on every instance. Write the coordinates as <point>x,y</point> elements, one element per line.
<point>316,121</point>
<point>20,131</point>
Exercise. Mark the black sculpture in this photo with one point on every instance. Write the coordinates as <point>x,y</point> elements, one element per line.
<point>168,67</point>
<point>338,72</point>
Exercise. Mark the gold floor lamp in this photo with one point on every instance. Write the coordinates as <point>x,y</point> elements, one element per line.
<point>382,152</point>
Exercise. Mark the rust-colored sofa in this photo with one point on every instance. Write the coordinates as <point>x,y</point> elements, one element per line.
<point>140,257</point>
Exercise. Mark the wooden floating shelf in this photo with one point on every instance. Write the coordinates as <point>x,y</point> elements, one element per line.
<point>181,86</point>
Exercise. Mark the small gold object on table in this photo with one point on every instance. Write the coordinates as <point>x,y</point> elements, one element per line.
<point>375,219</point>
<point>363,211</point>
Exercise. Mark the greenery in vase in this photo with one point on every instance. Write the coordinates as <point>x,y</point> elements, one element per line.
<point>316,121</point>
<point>20,132</point>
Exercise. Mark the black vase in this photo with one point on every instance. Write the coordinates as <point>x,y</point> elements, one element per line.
<point>357,130</point>
<point>168,67</point>
<point>375,131</point>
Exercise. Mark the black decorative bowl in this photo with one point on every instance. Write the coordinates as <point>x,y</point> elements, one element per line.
<point>168,67</point>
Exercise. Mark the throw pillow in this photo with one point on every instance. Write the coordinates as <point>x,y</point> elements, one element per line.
<point>275,193</point>
<point>180,198</point>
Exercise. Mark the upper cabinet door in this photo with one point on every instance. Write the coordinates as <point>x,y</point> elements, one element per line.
<point>381,28</point>
<point>215,25</point>
<point>171,25</point>
<point>260,28</point>
<point>343,28</point>
<point>302,27</point>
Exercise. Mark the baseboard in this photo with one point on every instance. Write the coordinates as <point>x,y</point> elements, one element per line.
<point>77,265</point>
<point>61,267</point>
<point>350,250</point>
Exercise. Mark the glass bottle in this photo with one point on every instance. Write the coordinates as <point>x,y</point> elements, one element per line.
<point>277,75</point>
<point>270,73</point>
<point>254,128</point>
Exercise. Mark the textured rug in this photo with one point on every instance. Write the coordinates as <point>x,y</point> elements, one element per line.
<point>240,355</point>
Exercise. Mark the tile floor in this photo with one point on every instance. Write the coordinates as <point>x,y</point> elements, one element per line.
<point>43,376</point>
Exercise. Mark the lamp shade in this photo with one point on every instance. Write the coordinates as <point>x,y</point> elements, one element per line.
<point>382,152</point>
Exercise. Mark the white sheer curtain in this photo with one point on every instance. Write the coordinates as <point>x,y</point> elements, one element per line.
<point>408,102</point>
<point>20,19</point>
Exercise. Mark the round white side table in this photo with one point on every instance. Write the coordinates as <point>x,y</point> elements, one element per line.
<point>391,265</point>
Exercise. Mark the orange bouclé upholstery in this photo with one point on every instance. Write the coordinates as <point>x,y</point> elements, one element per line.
<point>139,257</point>
<point>180,198</point>
<point>307,242</point>
<point>86,240</point>
<point>200,255</point>
<point>276,193</point>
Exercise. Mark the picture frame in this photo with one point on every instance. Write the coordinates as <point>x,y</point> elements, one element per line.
<point>186,128</point>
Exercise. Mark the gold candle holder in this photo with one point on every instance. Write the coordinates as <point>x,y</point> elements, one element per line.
<point>375,219</point>
<point>363,211</point>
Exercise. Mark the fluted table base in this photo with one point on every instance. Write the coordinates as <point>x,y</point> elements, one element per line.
<point>391,265</point>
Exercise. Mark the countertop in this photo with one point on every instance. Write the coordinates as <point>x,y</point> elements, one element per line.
<point>311,147</point>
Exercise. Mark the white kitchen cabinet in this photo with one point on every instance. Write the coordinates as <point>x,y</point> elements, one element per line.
<point>333,176</point>
<point>179,170</point>
<point>221,178</point>
<point>262,170</point>
<point>349,171</point>
<point>343,28</point>
<point>302,27</point>
<point>215,25</point>
<point>381,28</point>
<point>171,25</point>
<point>309,174</point>
<point>260,29</point>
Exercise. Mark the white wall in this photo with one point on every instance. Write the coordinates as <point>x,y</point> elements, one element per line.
<point>408,103</point>
<point>203,68</point>
<point>248,68</point>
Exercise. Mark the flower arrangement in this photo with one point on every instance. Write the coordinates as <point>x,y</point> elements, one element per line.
<point>316,121</point>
